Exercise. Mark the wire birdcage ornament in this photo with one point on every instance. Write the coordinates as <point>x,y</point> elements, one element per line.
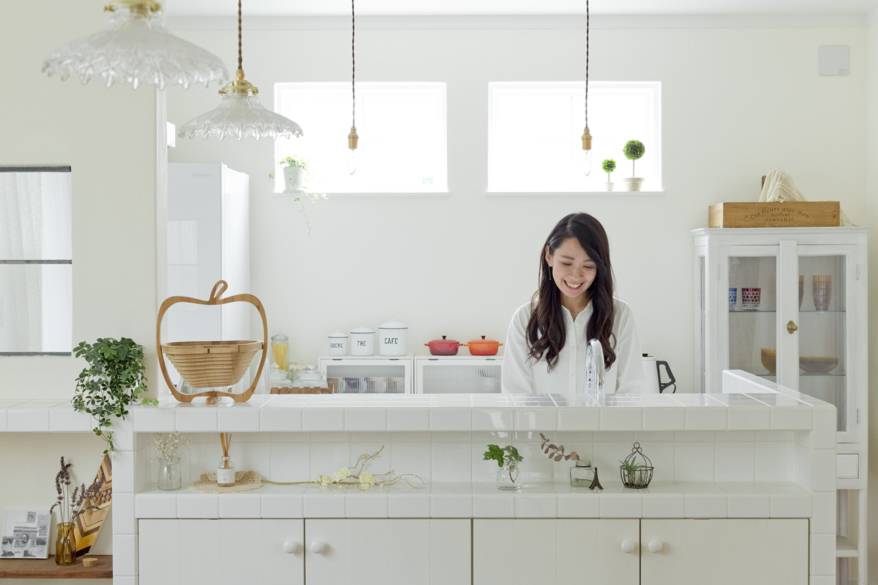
<point>636,475</point>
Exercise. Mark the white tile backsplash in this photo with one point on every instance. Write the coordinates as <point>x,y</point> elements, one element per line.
<point>734,462</point>
<point>694,462</point>
<point>774,461</point>
<point>451,462</point>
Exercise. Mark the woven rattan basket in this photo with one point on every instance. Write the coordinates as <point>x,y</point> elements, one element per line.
<point>211,364</point>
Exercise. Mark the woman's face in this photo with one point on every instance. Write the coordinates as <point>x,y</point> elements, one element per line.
<point>572,270</point>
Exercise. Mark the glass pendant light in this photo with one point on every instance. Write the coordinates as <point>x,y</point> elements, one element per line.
<point>239,114</point>
<point>585,157</point>
<point>136,48</point>
<point>353,136</point>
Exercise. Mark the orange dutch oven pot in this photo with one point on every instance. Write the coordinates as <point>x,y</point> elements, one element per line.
<point>483,346</point>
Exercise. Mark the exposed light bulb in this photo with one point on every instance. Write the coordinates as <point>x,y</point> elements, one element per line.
<point>352,160</point>
<point>585,157</point>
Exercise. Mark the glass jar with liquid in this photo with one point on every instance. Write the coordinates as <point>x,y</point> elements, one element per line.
<point>280,349</point>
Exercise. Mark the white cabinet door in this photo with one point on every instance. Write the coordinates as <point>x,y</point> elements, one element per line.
<point>382,552</point>
<point>221,552</point>
<point>724,552</point>
<point>555,552</point>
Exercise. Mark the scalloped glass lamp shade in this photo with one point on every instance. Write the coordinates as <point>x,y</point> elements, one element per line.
<point>136,48</point>
<point>239,115</point>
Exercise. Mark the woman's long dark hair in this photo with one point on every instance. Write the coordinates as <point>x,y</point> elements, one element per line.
<point>546,332</point>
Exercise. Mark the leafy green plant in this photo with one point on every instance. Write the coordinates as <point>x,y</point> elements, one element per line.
<point>112,382</point>
<point>292,161</point>
<point>609,165</point>
<point>633,150</point>
<point>633,472</point>
<point>304,196</point>
<point>501,455</point>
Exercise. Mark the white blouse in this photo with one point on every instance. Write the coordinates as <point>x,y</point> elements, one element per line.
<point>522,375</point>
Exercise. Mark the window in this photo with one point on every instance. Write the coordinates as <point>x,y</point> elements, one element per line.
<point>36,266</point>
<point>402,146</point>
<point>535,131</point>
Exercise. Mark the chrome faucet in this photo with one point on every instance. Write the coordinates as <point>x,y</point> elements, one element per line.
<point>594,369</point>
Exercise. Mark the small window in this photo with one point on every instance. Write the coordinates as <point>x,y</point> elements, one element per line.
<point>535,131</point>
<point>36,261</point>
<point>402,145</point>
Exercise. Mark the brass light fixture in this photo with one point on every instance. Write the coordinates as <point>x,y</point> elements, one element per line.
<point>586,135</point>
<point>353,136</point>
<point>136,48</point>
<point>240,114</point>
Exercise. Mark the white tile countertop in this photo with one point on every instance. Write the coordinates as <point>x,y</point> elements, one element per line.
<point>484,500</point>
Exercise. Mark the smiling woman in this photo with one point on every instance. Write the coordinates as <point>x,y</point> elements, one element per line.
<point>547,339</point>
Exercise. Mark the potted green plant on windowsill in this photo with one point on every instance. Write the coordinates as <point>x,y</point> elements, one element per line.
<point>633,151</point>
<point>609,165</point>
<point>294,173</point>
<point>113,381</point>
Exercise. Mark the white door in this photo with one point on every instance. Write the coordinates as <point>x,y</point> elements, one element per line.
<point>724,552</point>
<point>382,552</point>
<point>555,552</point>
<point>221,552</point>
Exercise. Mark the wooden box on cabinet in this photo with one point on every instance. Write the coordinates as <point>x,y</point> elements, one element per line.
<point>774,215</point>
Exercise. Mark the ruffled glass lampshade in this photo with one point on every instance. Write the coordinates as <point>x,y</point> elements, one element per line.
<point>136,48</point>
<point>239,115</point>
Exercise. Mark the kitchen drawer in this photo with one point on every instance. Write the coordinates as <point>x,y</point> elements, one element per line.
<point>847,466</point>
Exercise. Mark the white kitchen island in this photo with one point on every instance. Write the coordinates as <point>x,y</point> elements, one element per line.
<point>743,491</point>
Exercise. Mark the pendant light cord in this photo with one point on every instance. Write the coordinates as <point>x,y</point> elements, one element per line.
<point>353,66</point>
<point>240,54</point>
<point>587,30</point>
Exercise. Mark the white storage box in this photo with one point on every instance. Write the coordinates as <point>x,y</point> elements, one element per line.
<point>457,374</point>
<point>368,374</point>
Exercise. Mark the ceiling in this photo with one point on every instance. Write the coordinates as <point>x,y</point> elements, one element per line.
<point>514,7</point>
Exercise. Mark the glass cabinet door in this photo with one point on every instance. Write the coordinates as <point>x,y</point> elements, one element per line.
<point>823,328</point>
<point>752,310</point>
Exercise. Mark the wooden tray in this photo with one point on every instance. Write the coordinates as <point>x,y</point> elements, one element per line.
<point>764,215</point>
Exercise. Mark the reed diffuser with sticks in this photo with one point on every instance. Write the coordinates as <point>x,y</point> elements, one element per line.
<point>225,471</point>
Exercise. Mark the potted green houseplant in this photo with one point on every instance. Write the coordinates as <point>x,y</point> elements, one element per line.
<point>112,382</point>
<point>507,459</point>
<point>633,150</point>
<point>294,173</point>
<point>609,165</point>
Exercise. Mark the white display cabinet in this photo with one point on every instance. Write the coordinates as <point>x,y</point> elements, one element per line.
<point>457,374</point>
<point>801,322</point>
<point>367,374</point>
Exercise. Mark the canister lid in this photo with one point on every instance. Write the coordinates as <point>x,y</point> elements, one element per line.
<point>361,329</point>
<point>280,338</point>
<point>393,324</point>
<point>338,334</point>
<point>583,463</point>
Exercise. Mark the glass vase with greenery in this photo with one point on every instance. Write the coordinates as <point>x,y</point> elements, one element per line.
<point>507,459</point>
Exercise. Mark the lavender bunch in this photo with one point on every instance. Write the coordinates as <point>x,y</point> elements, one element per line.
<point>70,506</point>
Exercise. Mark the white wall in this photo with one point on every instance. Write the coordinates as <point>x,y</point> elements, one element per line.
<point>737,103</point>
<point>872,198</point>
<point>108,138</point>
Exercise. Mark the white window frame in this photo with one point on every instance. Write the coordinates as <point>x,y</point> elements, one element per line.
<point>364,89</point>
<point>565,88</point>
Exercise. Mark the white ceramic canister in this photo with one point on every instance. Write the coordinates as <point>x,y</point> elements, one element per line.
<point>362,341</point>
<point>338,343</point>
<point>392,338</point>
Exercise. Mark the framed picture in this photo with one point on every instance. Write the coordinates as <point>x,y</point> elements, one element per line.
<point>25,534</point>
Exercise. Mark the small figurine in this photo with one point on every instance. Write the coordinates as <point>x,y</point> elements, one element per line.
<point>596,483</point>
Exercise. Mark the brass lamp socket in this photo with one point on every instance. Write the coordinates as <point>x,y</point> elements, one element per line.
<point>586,140</point>
<point>240,85</point>
<point>352,138</point>
<point>140,7</point>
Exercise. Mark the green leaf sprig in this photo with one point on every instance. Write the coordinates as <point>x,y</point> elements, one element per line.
<point>110,384</point>
<point>507,454</point>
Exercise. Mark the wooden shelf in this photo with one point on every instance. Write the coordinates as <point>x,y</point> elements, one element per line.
<point>47,569</point>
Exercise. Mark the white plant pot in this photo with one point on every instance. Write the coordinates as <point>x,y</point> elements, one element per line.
<point>609,186</point>
<point>294,178</point>
<point>633,183</point>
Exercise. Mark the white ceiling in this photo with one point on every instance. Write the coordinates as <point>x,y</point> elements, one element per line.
<point>514,7</point>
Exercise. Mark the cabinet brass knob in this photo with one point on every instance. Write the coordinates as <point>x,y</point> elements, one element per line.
<point>791,328</point>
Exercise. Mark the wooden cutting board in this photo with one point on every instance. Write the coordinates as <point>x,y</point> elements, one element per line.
<point>89,523</point>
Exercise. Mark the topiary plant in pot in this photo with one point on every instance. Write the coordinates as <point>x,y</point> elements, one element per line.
<point>633,151</point>
<point>609,165</point>
<point>112,382</point>
<point>294,173</point>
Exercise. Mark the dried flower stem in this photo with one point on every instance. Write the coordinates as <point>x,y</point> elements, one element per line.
<point>556,452</point>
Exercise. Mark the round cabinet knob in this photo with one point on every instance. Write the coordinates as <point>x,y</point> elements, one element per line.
<point>317,547</point>
<point>655,546</point>
<point>291,547</point>
<point>628,547</point>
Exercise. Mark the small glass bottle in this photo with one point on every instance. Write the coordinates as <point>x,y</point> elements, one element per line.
<point>581,474</point>
<point>507,476</point>
<point>225,473</point>
<point>280,347</point>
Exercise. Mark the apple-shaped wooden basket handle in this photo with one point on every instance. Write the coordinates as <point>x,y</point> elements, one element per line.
<point>211,364</point>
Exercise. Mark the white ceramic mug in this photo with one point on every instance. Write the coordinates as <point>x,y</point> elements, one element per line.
<point>362,341</point>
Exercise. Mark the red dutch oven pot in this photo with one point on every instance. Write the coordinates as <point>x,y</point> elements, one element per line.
<point>444,346</point>
<point>483,346</point>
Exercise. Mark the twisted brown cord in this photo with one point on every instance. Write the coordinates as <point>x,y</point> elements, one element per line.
<point>587,27</point>
<point>353,66</point>
<point>240,56</point>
